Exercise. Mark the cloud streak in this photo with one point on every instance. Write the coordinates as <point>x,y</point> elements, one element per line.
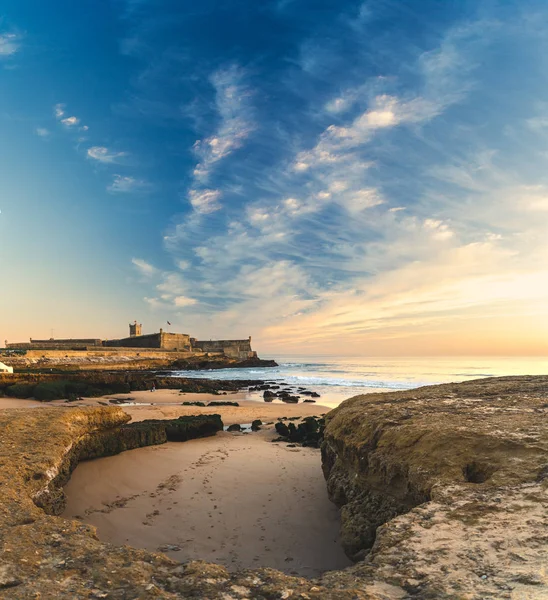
<point>104,155</point>
<point>234,113</point>
<point>10,44</point>
<point>125,184</point>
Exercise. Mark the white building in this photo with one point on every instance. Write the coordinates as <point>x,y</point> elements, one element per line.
<point>5,369</point>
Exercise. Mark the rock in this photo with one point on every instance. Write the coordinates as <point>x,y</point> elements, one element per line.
<point>308,400</point>
<point>223,404</point>
<point>290,399</point>
<point>269,394</point>
<point>256,425</point>
<point>455,458</point>
<point>192,404</point>
<point>183,428</point>
<point>282,429</point>
<point>462,467</point>
<point>308,433</point>
<point>234,427</point>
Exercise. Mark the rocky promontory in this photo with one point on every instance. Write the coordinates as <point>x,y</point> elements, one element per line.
<point>443,489</point>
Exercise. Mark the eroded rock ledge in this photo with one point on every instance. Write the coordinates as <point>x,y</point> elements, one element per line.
<point>464,466</point>
<point>473,459</point>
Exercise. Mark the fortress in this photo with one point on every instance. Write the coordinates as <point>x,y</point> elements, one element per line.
<point>161,342</point>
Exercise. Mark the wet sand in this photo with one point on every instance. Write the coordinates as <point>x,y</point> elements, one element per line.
<point>235,499</point>
<point>166,404</point>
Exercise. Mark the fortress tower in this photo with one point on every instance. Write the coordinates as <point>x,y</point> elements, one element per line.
<point>135,329</point>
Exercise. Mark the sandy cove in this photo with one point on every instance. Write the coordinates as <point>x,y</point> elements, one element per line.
<point>235,499</point>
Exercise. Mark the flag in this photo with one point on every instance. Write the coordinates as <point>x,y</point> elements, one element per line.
<point>168,323</point>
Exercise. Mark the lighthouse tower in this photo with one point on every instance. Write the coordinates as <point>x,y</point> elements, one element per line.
<point>135,329</point>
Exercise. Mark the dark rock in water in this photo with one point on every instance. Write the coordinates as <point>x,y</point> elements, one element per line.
<point>268,398</point>
<point>256,425</point>
<point>315,395</point>
<point>269,394</point>
<point>103,403</point>
<point>234,427</point>
<point>223,404</point>
<point>198,363</point>
<point>309,400</point>
<point>193,404</point>
<point>282,429</point>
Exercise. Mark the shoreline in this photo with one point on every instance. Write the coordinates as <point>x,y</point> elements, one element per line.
<point>168,405</point>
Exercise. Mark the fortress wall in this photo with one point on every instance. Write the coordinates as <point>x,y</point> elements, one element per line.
<point>152,340</point>
<point>75,344</point>
<point>232,348</point>
<point>175,341</point>
<point>109,353</point>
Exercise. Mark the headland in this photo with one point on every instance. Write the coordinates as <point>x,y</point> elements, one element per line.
<point>138,351</point>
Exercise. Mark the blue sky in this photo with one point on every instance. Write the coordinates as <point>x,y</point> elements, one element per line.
<point>355,177</point>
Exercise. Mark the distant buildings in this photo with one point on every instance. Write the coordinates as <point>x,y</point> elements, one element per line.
<point>161,341</point>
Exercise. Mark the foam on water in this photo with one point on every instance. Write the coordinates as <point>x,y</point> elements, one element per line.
<point>337,378</point>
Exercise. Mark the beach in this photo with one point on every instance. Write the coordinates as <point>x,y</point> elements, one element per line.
<point>236,499</point>
<point>167,404</point>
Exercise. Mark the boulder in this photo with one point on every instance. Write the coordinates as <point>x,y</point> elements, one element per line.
<point>256,425</point>
<point>234,427</point>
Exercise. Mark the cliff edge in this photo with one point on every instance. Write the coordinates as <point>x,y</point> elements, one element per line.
<point>444,489</point>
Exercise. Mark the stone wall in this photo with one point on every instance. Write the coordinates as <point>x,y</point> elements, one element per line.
<point>70,344</point>
<point>232,348</point>
<point>162,340</point>
<point>175,341</point>
<point>152,340</point>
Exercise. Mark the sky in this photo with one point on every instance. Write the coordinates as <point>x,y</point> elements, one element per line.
<point>329,177</point>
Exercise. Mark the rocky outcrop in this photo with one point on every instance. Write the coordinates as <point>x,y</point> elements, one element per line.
<point>466,467</point>
<point>446,488</point>
<point>225,362</point>
<point>52,386</point>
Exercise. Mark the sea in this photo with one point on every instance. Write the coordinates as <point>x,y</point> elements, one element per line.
<point>337,378</point>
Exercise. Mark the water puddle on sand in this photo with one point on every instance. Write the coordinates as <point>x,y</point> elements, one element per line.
<point>237,500</point>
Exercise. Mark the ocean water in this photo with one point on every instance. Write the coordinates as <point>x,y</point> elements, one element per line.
<point>336,378</point>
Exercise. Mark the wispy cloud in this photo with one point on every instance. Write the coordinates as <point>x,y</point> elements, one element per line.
<point>42,132</point>
<point>104,155</point>
<point>9,44</point>
<point>70,121</point>
<point>234,112</point>
<point>380,202</point>
<point>124,184</point>
<point>205,201</point>
<point>170,287</point>
<point>232,101</point>
<point>144,268</point>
